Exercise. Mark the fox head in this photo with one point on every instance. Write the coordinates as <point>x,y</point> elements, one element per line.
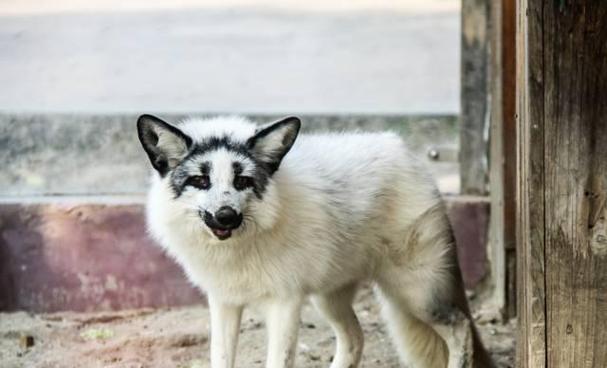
<point>215,170</point>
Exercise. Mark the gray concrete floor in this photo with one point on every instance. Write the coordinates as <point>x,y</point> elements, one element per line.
<point>383,57</point>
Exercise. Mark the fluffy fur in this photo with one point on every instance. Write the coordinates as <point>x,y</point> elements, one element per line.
<point>320,214</point>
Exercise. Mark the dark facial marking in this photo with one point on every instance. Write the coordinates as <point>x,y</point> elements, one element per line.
<point>262,170</point>
<point>243,182</point>
<point>237,167</point>
<point>258,180</point>
<point>182,177</point>
<point>199,182</point>
<point>205,168</point>
<point>215,143</point>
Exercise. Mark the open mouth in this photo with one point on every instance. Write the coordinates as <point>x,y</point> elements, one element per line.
<point>221,229</point>
<point>222,234</point>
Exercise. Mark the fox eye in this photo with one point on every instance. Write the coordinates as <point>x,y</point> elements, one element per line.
<point>243,182</point>
<point>199,181</point>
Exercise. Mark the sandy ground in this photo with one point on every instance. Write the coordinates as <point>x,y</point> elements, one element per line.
<point>178,338</point>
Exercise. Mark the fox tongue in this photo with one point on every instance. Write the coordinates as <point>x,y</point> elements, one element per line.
<point>222,233</point>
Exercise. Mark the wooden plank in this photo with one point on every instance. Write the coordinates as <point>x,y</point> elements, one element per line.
<point>474,106</point>
<point>508,103</point>
<point>502,173</point>
<point>562,188</point>
<point>496,164</point>
<point>509,148</point>
<point>575,109</point>
<point>531,349</point>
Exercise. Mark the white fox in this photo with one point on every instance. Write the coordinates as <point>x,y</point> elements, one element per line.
<point>260,216</point>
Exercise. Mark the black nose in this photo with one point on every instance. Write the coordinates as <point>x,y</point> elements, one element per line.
<point>226,216</point>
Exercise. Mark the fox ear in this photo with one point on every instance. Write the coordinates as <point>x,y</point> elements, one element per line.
<point>165,145</point>
<point>271,143</point>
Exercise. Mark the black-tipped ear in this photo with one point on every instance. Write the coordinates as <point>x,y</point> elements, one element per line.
<point>271,143</point>
<point>165,145</point>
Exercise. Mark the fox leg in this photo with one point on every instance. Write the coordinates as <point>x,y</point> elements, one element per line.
<point>225,325</point>
<point>282,321</point>
<point>336,307</point>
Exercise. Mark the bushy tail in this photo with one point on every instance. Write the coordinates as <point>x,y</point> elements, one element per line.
<point>418,345</point>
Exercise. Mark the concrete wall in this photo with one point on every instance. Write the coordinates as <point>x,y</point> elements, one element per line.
<point>61,154</point>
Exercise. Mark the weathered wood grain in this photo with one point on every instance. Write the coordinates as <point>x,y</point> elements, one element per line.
<point>562,107</point>
<point>575,159</point>
<point>531,349</point>
<point>502,153</point>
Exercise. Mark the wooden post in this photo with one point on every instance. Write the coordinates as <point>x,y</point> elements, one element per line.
<point>562,184</point>
<point>474,111</point>
<point>502,164</point>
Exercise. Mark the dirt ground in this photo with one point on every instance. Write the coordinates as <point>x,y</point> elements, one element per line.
<point>178,338</point>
